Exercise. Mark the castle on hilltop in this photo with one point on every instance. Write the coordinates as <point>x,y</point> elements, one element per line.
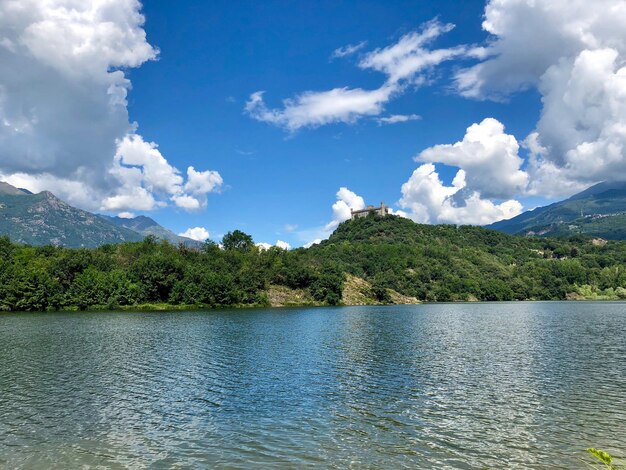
<point>383,210</point>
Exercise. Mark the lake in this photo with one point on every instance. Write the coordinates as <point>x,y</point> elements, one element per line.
<point>482,385</point>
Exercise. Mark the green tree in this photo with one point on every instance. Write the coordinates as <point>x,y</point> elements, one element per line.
<point>328,286</point>
<point>237,240</point>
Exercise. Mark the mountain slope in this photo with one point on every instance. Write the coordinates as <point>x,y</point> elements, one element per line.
<point>599,211</point>
<point>146,226</point>
<point>7,189</point>
<point>44,219</point>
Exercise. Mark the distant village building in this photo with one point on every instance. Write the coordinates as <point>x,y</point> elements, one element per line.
<point>383,210</point>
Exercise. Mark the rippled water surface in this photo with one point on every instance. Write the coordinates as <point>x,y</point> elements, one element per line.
<point>508,385</point>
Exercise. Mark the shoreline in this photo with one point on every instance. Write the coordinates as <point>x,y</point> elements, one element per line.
<point>155,308</point>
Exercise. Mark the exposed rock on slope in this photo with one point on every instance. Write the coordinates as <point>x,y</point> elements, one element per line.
<point>357,291</point>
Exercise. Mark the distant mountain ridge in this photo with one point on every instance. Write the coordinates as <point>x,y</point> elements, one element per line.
<point>146,226</point>
<point>44,219</point>
<point>598,211</point>
<point>6,188</point>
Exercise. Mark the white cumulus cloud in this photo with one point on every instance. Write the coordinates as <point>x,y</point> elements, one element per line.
<point>528,37</point>
<point>488,178</point>
<point>582,129</point>
<point>186,202</point>
<point>317,241</point>
<point>263,246</point>
<point>132,197</point>
<point>427,200</point>
<point>489,158</point>
<point>64,123</point>
<point>144,175</point>
<point>203,182</point>
<point>139,162</point>
<point>573,52</point>
<point>346,202</point>
<point>196,233</point>
<point>283,245</point>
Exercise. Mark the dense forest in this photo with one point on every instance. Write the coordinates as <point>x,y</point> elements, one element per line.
<point>430,263</point>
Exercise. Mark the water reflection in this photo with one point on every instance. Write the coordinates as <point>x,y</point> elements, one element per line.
<point>520,385</point>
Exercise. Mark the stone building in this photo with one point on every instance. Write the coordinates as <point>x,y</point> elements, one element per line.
<point>383,210</point>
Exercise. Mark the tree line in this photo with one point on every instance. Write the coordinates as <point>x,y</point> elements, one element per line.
<point>431,263</point>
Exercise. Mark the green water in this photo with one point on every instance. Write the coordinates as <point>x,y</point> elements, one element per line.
<point>503,385</point>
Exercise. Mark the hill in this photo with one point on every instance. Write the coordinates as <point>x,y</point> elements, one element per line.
<point>599,211</point>
<point>369,260</point>
<point>445,262</point>
<point>44,219</point>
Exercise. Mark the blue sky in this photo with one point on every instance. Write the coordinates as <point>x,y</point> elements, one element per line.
<point>214,55</point>
<point>188,85</point>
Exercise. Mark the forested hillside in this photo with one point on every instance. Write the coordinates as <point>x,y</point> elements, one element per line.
<point>431,263</point>
<point>598,211</point>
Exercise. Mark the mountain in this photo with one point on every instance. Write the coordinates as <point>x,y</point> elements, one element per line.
<point>146,226</point>
<point>44,219</point>
<point>599,211</point>
<point>7,189</point>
